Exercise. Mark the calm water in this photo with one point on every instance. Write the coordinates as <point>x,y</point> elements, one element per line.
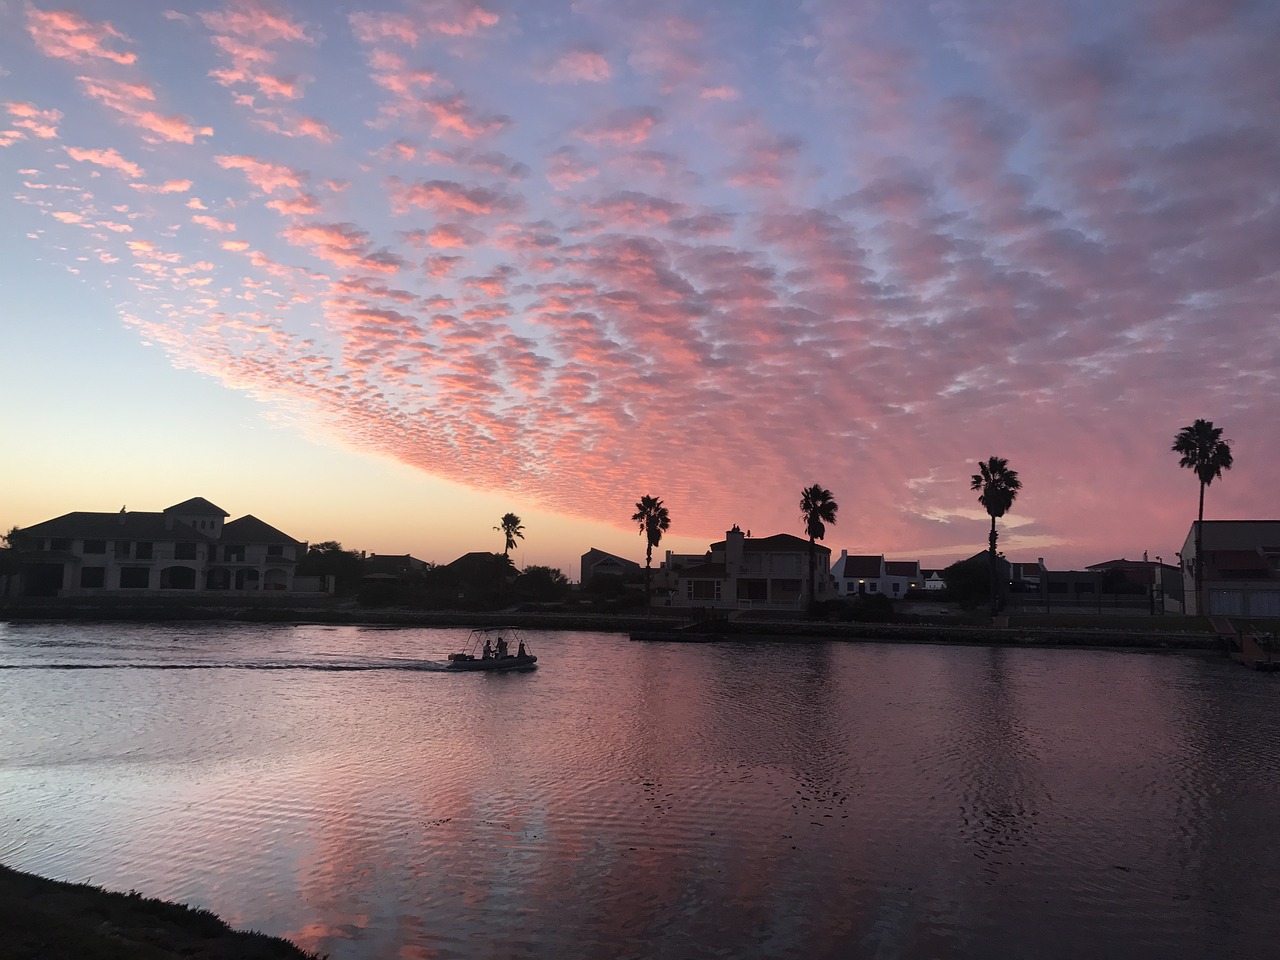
<point>650,800</point>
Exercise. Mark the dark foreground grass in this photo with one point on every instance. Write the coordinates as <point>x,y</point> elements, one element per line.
<point>48,920</point>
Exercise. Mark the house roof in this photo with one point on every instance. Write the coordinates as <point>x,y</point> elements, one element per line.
<point>197,507</point>
<point>386,564</point>
<point>902,568</point>
<point>1237,534</point>
<point>777,543</point>
<point>249,529</point>
<point>859,566</point>
<point>595,556</point>
<point>139,525</point>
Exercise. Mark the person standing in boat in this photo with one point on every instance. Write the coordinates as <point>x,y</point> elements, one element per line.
<point>520,649</point>
<point>488,650</point>
<point>502,647</point>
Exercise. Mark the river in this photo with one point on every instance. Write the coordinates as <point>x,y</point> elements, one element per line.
<point>646,800</point>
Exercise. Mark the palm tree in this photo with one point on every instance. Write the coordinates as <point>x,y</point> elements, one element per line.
<point>512,529</point>
<point>654,521</point>
<point>817,509</point>
<point>998,486</point>
<point>1204,451</point>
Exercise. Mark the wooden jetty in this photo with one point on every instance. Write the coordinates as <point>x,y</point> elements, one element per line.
<point>1253,648</point>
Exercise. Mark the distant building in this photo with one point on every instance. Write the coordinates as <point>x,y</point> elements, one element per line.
<point>400,569</point>
<point>1241,568</point>
<point>742,572</point>
<point>188,547</point>
<point>933,579</point>
<point>863,574</point>
<point>597,563</point>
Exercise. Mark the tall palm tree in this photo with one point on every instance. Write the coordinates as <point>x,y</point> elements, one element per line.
<point>654,521</point>
<point>998,487</point>
<point>1204,451</point>
<point>512,529</point>
<point>817,509</point>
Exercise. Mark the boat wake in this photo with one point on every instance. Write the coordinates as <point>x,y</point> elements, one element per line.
<point>337,664</point>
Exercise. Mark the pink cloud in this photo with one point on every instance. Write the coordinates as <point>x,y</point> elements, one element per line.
<point>622,127</point>
<point>263,174</point>
<point>447,198</point>
<point>39,123</point>
<point>453,236</point>
<point>127,99</point>
<point>631,209</point>
<point>582,65</point>
<point>213,223</point>
<point>567,167</point>
<point>109,158</point>
<point>258,20</point>
<point>453,114</point>
<point>69,36</point>
<point>169,186</point>
<point>301,205</point>
<point>370,28</point>
<point>344,246</point>
<point>457,18</point>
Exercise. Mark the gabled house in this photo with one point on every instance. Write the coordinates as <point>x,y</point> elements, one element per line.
<point>1241,569</point>
<point>864,574</point>
<point>742,572</point>
<point>188,547</point>
<point>597,563</point>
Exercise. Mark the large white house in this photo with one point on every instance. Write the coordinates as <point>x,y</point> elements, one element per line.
<point>860,575</point>
<point>743,572</point>
<point>189,547</point>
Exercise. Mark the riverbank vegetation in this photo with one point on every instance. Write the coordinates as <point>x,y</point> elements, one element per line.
<point>50,920</point>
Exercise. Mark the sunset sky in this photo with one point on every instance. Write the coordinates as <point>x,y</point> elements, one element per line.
<point>382,272</point>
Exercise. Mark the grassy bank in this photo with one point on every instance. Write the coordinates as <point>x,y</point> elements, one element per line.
<point>1058,629</point>
<point>48,920</point>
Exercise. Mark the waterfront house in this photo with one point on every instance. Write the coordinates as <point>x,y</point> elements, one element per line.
<point>598,563</point>
<point>743,572</point>
<point>1241,569</point>
<point>188,547</point>
<point>864,574</point>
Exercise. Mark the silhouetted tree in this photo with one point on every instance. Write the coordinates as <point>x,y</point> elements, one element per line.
<point>329,559</point>
<point>998,487</point>
<point>542,583</point>
<point>654,521</point>
<point>512,530</point>
<point>817,509</point>
<point>1204,451</point>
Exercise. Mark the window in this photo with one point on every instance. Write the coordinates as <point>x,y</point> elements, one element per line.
<point>703,590</point>
<point>95,546</point>
<point>93,578</point>
<point>896,585</point>
<point>275,550</point>
<point>872,587</point>
<point>124,549</point>
<point>135,578</point>
<point>143,551</point>
<point>233,553</point>
<point>184,551</point>
<point>60,543</point>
